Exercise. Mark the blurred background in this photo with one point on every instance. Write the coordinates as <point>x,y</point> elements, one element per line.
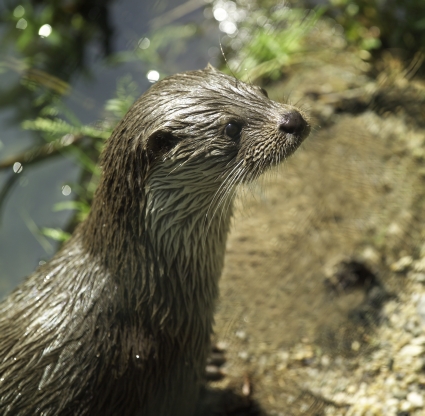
<point>319,251</point>
<point>70,69</point>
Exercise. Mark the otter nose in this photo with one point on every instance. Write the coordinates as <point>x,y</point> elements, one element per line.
<point>292,123</point>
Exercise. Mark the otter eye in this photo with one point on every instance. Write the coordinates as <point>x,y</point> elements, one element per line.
<point>233,130</point>
<point>264,92</point>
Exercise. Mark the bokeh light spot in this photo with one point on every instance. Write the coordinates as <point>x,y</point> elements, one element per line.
<point>220,14</point>
<point>153,76</point>
<point>228,27</point>
<point>66,190</point>
<point>17,167</point>
<point>19,11</point>
<point>21,24</point>
<point>144,43</point>
<point>45,31</point>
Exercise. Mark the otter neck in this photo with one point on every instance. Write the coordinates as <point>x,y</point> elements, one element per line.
<point>162,245</point>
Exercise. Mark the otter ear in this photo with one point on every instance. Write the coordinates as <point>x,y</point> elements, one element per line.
<point>159,143</point>
<point>209,67</point>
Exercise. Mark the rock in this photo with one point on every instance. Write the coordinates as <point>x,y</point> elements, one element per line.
<point>415,399</point>
<point>411,350</point>
<point>420,307</point>
<point>402,264</point>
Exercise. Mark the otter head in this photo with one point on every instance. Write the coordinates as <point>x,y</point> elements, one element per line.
<point>205,121</point>
<point>198,134</point>
<point>222,123</point>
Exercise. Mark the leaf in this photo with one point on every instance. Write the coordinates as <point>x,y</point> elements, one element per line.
<point>55,234</point>
<point>58,126</point>
<point>72,205</point>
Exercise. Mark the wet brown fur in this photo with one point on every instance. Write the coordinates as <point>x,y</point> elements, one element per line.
<point>119,321</point>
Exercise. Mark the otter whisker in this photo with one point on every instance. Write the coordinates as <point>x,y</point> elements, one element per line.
<point>220,196</point>
<point>224,184</point>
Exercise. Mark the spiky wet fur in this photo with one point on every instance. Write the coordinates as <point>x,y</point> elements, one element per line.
<point>119,321</point>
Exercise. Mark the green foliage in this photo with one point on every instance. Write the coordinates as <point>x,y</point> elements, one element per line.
<point>372,24</point>
<point>50,36</point>
<point>81,207</point>
<point>48,42</point>
<point>277,40</point>
<point>37,232</point>
<point>55,234</point>
<point>53,128</point>
<point>57,124</point>
<point>125,97</point>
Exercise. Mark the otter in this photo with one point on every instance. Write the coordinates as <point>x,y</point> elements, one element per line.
<point>119,321</point>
